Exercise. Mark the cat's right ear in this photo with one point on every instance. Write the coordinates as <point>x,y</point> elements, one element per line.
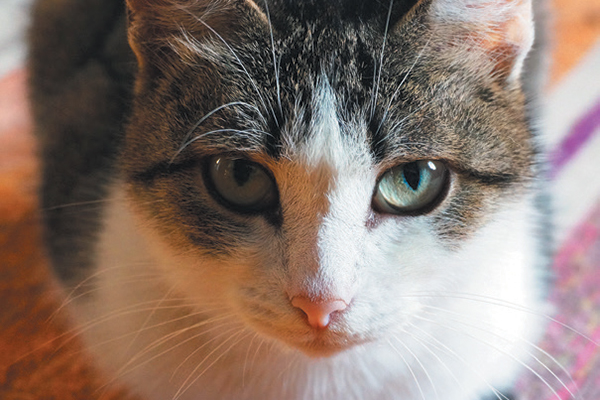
<point>153,25</point>
<point>145,27</point>
<point>163,33</point>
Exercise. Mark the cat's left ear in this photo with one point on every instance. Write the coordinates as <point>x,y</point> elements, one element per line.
<point>502,31</point>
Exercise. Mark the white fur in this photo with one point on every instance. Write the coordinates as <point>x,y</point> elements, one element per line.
<point>425,321</point>
<point>260,367</point>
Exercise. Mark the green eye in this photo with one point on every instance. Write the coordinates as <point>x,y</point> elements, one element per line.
<point>411,188</point>
<point>243,185</point>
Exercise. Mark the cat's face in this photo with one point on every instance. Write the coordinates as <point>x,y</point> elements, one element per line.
<point>355,159</point>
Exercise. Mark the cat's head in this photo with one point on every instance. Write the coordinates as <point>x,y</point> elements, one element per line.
<point>319,168</point>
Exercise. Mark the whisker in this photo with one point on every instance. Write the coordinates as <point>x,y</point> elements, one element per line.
<point>410,370</point>
<point>149,317</point>
<point>444,347</point>
<point>208,115</point>
<point>271,346</point>
<point>275,65</point>
<point>203,135</point>
<point>71,297</point>
<point>98,202</point>
<point>77,204</point>
<point>489,330</point>
<point>427,375</point>
<point>293,360</point>
<point>180,331</point>
<point>165,338</point>
<point>129,310</point>
<point>123,370</point>
<point>242,65</point>
<point>208,342</point>
<point>189,382</point>
<point>389,106</point>
<point>129,367</point>
<point>529,368</point>
<point>502,303</point>
<point>262,341</point>
<point>385,34</point>
<point>430,351</point>
<point>76,331</point>
<point>246,359</point>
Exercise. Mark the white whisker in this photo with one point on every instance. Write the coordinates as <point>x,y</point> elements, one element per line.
<point>241,64</point>
<point>410,370</point>
<point>208,115</point>
<point>125,311</point>
<point>275,65</point>
<point>77,204</point>
<point>165,338</point>
<point>147,277</point>
<point>244,132</point>
<point>148,318</point>
<point>501,303</point>
<point>246,359</point>
<point>215,338</point>
<point>70,297</point>
<point>444,347</point>
<point>378,82</point>
<point>491,345</point>
<point>438,358</point>
<point>427,375</point>
<point>487,328</point>
<point>293,360</point>
<point>189,382</point>
<point>404,78</point>
<point>129,366</point>
<point>262,341</point>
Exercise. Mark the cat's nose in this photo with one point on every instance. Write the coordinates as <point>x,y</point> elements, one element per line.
<point>318,311</point>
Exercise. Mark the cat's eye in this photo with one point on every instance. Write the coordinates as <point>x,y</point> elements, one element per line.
<point>411,188</point>
<point>242,185</point>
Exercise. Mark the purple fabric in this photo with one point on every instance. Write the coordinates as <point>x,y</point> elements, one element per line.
<point>567,365</point>
<point>580,133</point>
<point>573,336</point>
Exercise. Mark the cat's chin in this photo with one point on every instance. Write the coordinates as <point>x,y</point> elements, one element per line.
<point>323,344</point>
<point>317,349</point>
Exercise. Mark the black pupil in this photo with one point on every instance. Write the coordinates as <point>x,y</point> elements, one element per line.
<point>241,172</point>
<point>412,175</point>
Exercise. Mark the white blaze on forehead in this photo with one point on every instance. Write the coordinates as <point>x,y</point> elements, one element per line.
<point>327,143</point>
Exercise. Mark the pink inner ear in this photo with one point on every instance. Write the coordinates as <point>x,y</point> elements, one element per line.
<point>508,41</point>
<point>500,30</point>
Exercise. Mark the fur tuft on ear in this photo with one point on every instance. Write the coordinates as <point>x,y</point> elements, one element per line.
<point>161,29</point>
<point>502,30</point>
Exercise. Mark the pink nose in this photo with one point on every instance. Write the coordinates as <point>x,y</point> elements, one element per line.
<point>318,311</point>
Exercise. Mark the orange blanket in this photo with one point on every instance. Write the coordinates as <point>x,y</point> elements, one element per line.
<point>40,358</point>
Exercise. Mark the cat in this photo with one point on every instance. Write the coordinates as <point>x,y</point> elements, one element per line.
<point>279,199</point>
